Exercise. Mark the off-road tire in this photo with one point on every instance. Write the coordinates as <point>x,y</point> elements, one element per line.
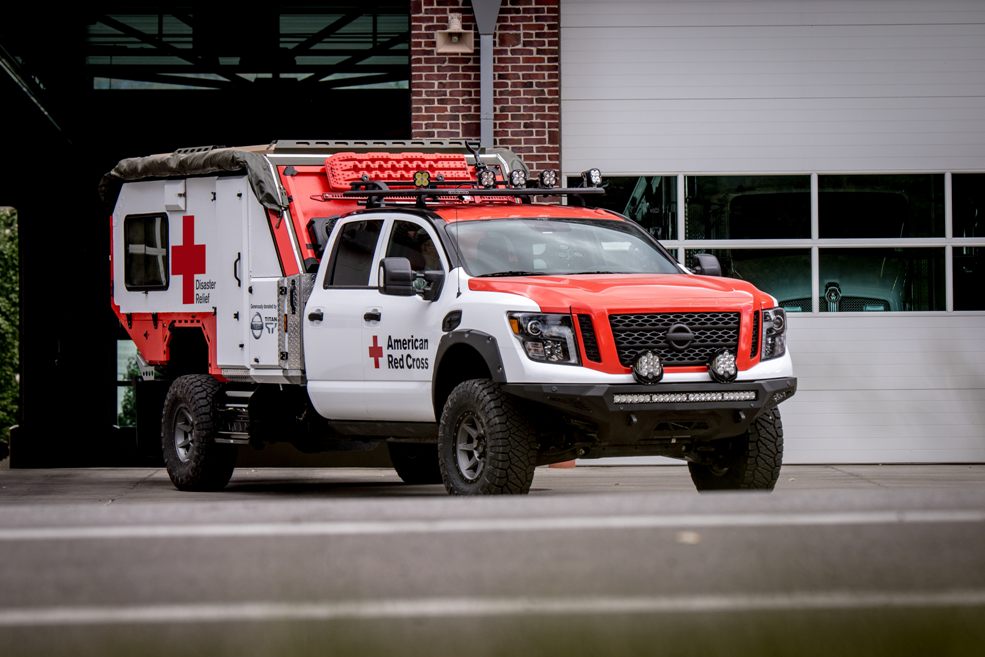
<point>748,462</point>
<point>415,463</point>
<point>507,447</point>
<point>190,410</point>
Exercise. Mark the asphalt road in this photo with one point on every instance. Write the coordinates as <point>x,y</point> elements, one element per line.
<point>595,561</point>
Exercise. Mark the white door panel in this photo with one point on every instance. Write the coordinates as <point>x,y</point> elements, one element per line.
<point>337,354</point>
<point>229,293</point>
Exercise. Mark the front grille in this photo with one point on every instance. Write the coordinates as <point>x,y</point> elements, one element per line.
<point>588,338</point>
<point>754,351</point>
<point>635,334</point>
<point>856,305</point>
<point>845,305</point>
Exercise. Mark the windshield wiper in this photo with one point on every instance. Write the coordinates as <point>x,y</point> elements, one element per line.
<point>596,271</point>
<point>510,273</point>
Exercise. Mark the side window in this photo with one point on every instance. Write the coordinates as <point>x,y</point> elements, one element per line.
<point>352,257</point>
<point>145,255</point>
<point>411,241</point>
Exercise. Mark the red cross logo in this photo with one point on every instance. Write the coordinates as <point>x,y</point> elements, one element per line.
<point>188,259</point>
<point>376,352</point>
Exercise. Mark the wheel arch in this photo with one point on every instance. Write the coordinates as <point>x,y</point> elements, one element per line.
<point>464,355</point>
<point>188,351</point>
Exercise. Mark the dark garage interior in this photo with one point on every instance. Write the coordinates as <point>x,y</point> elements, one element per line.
<point>100,82</point>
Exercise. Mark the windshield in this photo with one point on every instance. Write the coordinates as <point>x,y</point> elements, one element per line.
<point>523,247</point>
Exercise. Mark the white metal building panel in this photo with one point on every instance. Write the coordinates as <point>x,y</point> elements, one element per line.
<point>716,86</point>
<point>887,389</point>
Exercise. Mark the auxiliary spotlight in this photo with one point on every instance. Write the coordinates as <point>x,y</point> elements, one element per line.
<point>648,368</point>
<point>486,178</point>
<point>548,178</point>
<point>591,178</point>
<point>518,178</point>
<point>422,179</point>
<point>722,367</point>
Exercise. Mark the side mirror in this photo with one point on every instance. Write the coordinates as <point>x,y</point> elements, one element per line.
<point>399,280</point>
<point>430,283</point>
<point>396,277</point>
<point>705,264</point>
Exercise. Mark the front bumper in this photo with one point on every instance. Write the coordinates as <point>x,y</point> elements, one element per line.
<point>630,413</point>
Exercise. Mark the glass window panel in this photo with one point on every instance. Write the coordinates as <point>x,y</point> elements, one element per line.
<point>145,256</point>
<point>748,207</point>
<point>889,206</point>
<point>411,241</point>
<point>354,249</point>
<point>968,197</point>
<point>969,278</point>
<point>880,280</point>
<point>784,273</point>
<point>649,200</point>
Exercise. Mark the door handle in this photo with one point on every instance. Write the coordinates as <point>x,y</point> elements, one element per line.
<point>316,316</point>
<point>373,316</point>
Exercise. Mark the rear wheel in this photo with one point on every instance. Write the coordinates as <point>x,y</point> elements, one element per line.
<point>485,445</point>
<point>188,428</point>
<point>747,462</point>
<point>415,463</point>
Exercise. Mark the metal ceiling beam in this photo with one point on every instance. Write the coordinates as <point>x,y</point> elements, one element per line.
<point>12,68</point>
<point>350,63</point>
<point>163,46</point>
<point>362,80</point>
<point>124,51</point>
<point>326,31</point>
<point>164,78</point>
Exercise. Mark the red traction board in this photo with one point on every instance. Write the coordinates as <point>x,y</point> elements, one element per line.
<point>343,169</point>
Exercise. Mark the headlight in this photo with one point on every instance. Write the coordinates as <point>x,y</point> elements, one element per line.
<point>774,333</point>
<point>546,338</point>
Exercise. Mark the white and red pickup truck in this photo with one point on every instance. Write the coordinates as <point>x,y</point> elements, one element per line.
<point>338,295</point>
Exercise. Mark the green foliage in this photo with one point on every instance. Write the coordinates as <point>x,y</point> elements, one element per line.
<point>9,322</point>
<point>128,412</point>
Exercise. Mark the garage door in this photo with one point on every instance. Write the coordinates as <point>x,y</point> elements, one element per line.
<point>833,152</point>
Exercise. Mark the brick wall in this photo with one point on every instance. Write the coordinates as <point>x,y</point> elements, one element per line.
<point>526,79</point>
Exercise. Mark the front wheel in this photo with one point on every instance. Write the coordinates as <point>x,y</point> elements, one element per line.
<point>485,445</point>
<point>747,462</point>
<point>188,426</point>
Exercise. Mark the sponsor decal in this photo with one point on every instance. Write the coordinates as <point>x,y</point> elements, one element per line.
<point>263,319</point>
<point>188,260</point>
<point>401,353</point>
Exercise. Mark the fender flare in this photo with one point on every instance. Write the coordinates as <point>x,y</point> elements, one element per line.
<point>482,343</point>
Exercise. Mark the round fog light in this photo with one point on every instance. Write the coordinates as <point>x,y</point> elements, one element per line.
<point>647,368</point>
<point>722,367</point>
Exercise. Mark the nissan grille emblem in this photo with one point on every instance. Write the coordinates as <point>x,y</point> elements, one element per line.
<point>679,336</point>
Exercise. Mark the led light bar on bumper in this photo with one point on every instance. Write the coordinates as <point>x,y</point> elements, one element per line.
<point>546,337</point>
<point>774,333</point>
<point>683,397</point>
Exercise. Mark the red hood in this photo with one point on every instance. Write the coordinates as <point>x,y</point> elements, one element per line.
<point>618,293</point>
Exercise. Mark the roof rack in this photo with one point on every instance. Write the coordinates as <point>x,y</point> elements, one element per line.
<point>381,145</point>
<point>375,197</point>
<point>188,150</point>
<point>308,151</point>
